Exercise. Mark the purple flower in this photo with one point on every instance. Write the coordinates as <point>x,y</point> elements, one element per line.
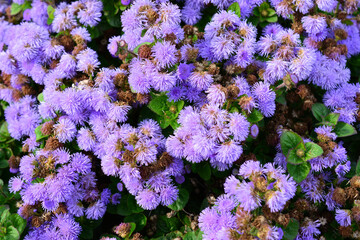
<point>15,184</point>
<point>80,34</point>
<point>65,129</point>
<point>228,152</point>
<point>163,81</point>
<point>67,226</point>
<point>67,65</point>
<point>80,163</point>
<point>86,139</point>
<point>239,126</point>
<point>96,210</point>
<point>254,130</point>
<point>314,24</point>
<point>87,61</point>
<point>91,13</point>
<point>184,70</point>
<point>168,195</point>
<point>200,80</point>
<point>265,98</point>
<point>216,95</point>
<point>148,199</point>
<point>113,45</point>
<point>165,54</point>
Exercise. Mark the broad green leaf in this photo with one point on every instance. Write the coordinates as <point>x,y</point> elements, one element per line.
<point>26,5</point>
<point>163,121</point>
<point>4,132</point>
<point>132,229</point>
<point>344,130</point>
<point>319,111</point>
<point>12,233</point>
<point>139,219</point>
<point>15,8</point>
<point>272,19</point>
<point>174,124</point>
<point>299,172</point>
<point>40,97</point>
<point>291,230</point>
<point>3,209</point>
<point>158,104</point>
<point>197,235</point>
<point>255,116</point>
<point>312,151</point>
<point>289,140</point>
<point>143,32</point>
<point>235,7</point>
<point>293,157</point>
<point>5,214</point>
<point>4,163</point>
<point>358,168</point>
<point>271,12</point>
<point>18,222</point>
<point>38,133</point>
<point>132,205</point>
<point>332,118</point>
<point>166,225</point>
<point>205,171</point>
<point>122,208</point>
<point>50,12</point>
<point>182,200</point>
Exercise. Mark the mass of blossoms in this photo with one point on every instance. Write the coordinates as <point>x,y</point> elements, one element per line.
<point>179,119</point>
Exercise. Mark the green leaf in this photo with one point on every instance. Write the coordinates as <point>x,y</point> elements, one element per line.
<point>38,133</point>
<point>312,151</point>
<point>291,230</point>
<point>12,233</point>
<point>344,130</point>
<point>289,140</point>
<point>166,225</point>
<point>182,200</point>
<point>271,12</point>
<point>40,97</point>
<point>332,119</point>
<point>50,12</point>
<point>139,219</point>
<point>18,222</point>
<point>4,132</point>
<point>4,164</point>
<point>132,205</point>
<point>174,124</point>
<point>197,235</point>
<point>122,208</point>
<point>272,19</point>
<point>255,116</point>
<point>4,211</point>
<point>205,171</point>
<point>15,8</point>
<point>26,5</point>
<point>235,7</point>
<point>319,111</point>
<point>143,32</point>
<point>358,167</point>
<point>347,22</point>
<point>293,157</point>
<point>136,50</point>
<point>299,172</point>
<point>158,104</point>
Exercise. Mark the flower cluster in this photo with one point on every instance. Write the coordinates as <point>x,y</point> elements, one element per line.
<point>137,156</point>
<point>183,90</point>
<point>259,184</point>
<point>211,133</point>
